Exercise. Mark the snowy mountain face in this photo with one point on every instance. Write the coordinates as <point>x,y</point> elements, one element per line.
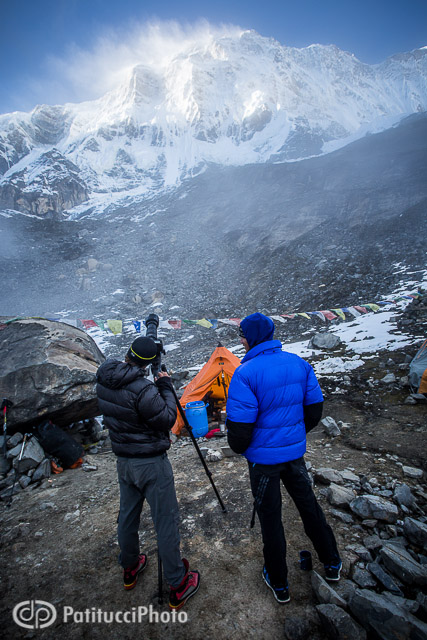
<point>277,238</point>
<point>233,101</point>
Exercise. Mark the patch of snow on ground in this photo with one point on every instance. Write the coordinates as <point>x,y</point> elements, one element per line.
<point>372,333</point>
<point>100,337</point>
<point>337,365</point>
<point>300,349</point>
<point>172,346</point>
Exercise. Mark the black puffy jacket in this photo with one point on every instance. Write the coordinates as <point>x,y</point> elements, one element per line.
<point>137,412</point>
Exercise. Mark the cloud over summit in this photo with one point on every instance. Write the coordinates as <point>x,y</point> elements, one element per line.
<point>88,73</point>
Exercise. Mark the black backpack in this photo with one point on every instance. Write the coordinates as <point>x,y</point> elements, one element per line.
<point>59,444</point>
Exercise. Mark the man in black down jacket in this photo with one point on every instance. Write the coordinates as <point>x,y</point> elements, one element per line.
<point>139,415</point>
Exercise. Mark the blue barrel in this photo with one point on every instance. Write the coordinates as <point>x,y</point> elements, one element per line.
<point>197,417</point>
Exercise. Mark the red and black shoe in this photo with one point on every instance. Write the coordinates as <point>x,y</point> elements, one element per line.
<point>130,575</point>
<point>189,586</point>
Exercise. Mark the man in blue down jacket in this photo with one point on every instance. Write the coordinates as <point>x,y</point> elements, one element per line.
<point>274,399</point>
<point>139,415</point>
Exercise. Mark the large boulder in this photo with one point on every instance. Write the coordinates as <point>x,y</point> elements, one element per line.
<point>368,506</point>
<point>338,624</point>
<point>383,619</point>
<point>415,531</point>
<point>324,341</point>
<point>402,564</point>
<point>48,371</point>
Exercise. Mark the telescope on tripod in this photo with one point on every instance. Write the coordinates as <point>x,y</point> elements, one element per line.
<point>152,323</point>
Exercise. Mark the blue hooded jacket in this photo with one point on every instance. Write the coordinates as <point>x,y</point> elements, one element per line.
<point>270,389</point>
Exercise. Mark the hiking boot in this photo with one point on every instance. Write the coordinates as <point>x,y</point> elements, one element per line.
<point>332,571</point>
<point>130,575</point>
<point>281,592</point>
<point>188,587</point>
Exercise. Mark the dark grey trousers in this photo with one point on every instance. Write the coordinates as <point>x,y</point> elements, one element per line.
<point>265,483</point>
<point>150,479</point>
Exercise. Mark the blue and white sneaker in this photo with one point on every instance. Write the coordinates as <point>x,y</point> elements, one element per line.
<point>332,572</point>
<point>281,593</point>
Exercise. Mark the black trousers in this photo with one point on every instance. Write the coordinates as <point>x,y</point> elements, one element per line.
<point>265,484</point>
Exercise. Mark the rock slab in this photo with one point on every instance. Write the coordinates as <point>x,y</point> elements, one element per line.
<point>369,506</point>
<point>339,624</point>
<point>49,369</point>
<point>380,616</point>
<point>402,564</point>
<point>324,592</point>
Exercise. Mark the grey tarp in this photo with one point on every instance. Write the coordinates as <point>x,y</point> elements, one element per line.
<point>418,370</point>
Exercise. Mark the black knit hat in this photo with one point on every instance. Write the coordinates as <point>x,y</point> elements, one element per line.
<point>142,351</point>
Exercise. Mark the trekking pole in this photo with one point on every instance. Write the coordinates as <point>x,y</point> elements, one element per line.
<point>223,385</point>
<point>160,577</point>
<point>194,441</point>
<point>17,467</point>
<point>5,405</point>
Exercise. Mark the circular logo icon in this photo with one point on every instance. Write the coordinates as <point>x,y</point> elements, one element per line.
<point>34,614</point>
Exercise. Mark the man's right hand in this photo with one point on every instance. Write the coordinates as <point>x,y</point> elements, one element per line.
<point>162,374</point>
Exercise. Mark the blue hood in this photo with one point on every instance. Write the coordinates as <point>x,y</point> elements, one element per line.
<point>257,328</point>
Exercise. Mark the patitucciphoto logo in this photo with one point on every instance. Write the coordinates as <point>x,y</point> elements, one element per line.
<point>38,614</point>
<point>34,614</point>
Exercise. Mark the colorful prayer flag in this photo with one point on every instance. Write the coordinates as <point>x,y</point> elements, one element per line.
<point>71,321</point>
<point>88,323</point>
<point>328,314</point>
<point>116,326</point>
<point>137,325</point>
<point>339,313</point>
<point>353,311</point>
<point>204,323</point>
<point>360,309</point>
<point>373,307</point>
<point>319,314</point>
<point>214,322</point>
<point>304,315</point>
<point>175,324</point>
<point>278,319</point>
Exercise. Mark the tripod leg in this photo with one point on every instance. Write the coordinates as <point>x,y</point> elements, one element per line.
<point>193,439</point>
<point>160,578</point>
<point>24,442</point>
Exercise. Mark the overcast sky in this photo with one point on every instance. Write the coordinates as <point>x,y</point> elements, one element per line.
<point>56,51</point>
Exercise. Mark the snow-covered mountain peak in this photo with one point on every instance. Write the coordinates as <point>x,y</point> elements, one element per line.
<point>233,99</point>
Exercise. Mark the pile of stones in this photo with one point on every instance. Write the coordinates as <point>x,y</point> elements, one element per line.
<point>414,318</point>
<point>23,464</point>
<point>384,592</point>
<point>26,466</point>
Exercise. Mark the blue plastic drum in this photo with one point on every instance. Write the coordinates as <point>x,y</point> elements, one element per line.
<point>197,417</point>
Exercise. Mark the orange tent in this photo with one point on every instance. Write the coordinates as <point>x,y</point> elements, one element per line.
<point>215,376</point>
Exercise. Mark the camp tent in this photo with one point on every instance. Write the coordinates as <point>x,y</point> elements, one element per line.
<point>418,370</point>
<point>215,376</point>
